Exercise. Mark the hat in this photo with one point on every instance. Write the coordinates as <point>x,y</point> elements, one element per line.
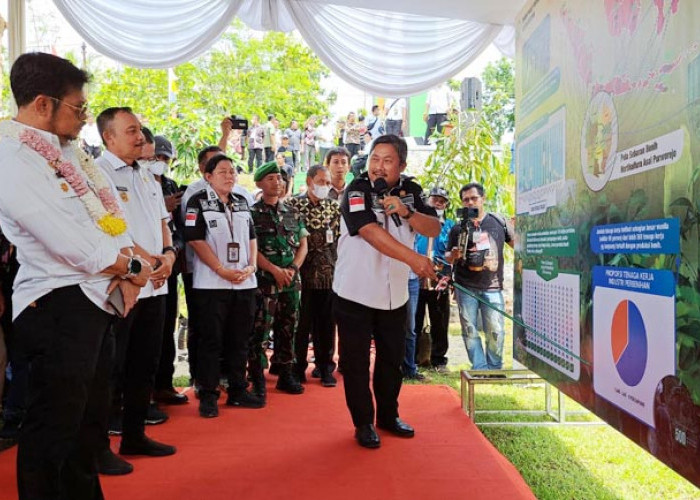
<point>266,168</point>
<point>164,147</point>
<point>439,191</point>
<point>285,136</point>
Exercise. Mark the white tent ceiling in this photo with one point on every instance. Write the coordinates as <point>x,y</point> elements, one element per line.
<point>387,47</point>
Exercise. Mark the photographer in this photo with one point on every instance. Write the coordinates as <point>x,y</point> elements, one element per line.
<point>477,254</point>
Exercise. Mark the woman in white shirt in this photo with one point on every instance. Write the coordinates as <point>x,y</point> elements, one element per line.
<point>219,228</point>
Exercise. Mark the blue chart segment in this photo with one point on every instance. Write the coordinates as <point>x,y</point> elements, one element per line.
<point>628,340</point>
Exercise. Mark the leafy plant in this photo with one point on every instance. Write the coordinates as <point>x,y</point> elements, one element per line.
<point>469,153</point>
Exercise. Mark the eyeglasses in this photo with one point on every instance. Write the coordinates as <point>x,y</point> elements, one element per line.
<point>473,199</point>
<point>81,110</point>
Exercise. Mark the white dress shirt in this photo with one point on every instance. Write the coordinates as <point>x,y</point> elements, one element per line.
<point>141,197</point>
<point>58,243</point>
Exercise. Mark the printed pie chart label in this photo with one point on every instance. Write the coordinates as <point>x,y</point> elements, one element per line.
<point>628,338</point>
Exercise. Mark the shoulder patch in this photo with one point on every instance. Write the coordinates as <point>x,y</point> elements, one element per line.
<point>191,217</point>
<point>356,201</point>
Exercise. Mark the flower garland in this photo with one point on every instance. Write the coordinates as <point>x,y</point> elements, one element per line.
<point>95,193</point>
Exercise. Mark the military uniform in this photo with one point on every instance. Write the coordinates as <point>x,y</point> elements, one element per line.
<point>322,220</point>
<point>279,230</point>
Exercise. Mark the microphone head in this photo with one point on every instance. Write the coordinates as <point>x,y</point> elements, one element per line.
<point>380,186</point>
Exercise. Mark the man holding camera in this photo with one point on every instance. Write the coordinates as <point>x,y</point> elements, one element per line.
<point>477,255</point>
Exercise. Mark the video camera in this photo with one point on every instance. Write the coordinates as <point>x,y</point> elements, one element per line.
<point>238,122</point>
<point>467,216</point>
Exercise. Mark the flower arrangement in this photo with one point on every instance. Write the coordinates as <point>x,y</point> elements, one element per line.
<point>94,192</point>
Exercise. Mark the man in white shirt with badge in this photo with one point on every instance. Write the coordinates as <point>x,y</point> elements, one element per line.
<point>381,211</point>
<point>74,249</point>
<point>138,336</point>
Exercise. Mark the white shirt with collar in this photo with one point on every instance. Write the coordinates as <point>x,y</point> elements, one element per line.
<point>142,201</point>
<point>196,187</point>
<point>58,243</point>
<point>439,100</point>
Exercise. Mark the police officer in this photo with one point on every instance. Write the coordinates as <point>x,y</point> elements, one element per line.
<point>281,251</point>
<point>381,212</point>
<point>219,228</point>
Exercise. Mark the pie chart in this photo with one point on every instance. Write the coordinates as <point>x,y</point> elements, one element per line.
<point>628,339</point>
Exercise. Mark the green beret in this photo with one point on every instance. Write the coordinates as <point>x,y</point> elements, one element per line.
<point>266,168</point>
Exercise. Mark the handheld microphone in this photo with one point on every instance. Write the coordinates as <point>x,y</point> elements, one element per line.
<point>382,188</point>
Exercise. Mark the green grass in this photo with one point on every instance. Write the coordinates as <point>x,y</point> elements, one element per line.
<point>568,462</point>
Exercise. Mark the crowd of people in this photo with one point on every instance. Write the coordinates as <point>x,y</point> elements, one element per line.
<point>94,250</point>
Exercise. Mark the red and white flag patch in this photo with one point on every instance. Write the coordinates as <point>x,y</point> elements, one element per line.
<point>191,217</point>
<point>356,201</point>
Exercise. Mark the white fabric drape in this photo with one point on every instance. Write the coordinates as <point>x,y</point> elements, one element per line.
<point>386,53</point>
<point>150,33</point>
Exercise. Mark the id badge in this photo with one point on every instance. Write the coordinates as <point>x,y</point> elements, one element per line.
<point>233,252</point>
<point>329,236</point>
<point>483,242</point>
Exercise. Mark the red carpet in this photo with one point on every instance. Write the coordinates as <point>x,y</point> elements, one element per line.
<point>303,447</point>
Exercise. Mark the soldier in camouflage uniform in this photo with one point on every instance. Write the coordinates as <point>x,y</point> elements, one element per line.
<point>281,251</point>
<point>321,217</point>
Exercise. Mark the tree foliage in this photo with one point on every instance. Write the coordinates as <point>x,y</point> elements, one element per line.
<point>469,154</point>
<point>242,74</point>
<point>499,96</point>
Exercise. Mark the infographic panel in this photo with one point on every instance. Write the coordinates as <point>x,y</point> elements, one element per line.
<point>607,256</point>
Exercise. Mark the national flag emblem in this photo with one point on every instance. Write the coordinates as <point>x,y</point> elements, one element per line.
<point>356,201</point>
<point>191,217</point>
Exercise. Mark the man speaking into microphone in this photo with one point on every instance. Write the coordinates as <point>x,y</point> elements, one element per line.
<point>381,212</point>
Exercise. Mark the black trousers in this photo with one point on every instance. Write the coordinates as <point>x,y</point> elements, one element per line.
<point>138,340</point>
<point>434,121</point>
<point>226,321</point>
<point>357,324</point>
<point>254,155</point>
<point>316,320</point>
<point>70,349</point>
<point>439,312</point>
<point>269,154</point>
<point>166,365</point>
<point>192,330</point>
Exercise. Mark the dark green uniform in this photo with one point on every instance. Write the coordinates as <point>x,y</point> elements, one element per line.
<point>279,230</point>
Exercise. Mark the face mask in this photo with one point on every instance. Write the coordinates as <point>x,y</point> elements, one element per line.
<point>440,212</point>
<point>157,167</point>
<point>321,192</point>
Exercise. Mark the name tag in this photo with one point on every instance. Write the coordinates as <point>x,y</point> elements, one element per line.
<point>233,252</point>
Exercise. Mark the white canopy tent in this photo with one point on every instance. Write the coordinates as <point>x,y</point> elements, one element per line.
<point>386,47</point>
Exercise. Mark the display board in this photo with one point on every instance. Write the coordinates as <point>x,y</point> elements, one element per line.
<point>608,213</point>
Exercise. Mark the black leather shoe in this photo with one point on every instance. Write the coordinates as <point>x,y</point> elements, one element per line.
<point>170,397</point>
<point>155,415</point>
<point>366,436</point>
<point>288,383</point>
<point>208,406</point>
<point>316,373</point>
<point>245,400</point>
<point>145,446</point>
<point>110,464</point>
<point>397,427</point>
<point>327,379</point>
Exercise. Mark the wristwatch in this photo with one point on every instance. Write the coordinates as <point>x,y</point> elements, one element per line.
<point>410,213</point>
<point>169,249</point>
<point>133,268</point>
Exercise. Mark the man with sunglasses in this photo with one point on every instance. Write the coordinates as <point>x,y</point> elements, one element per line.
<point>480,273</point>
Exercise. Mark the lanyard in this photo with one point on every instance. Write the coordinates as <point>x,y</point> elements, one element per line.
<point>228,214</point>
